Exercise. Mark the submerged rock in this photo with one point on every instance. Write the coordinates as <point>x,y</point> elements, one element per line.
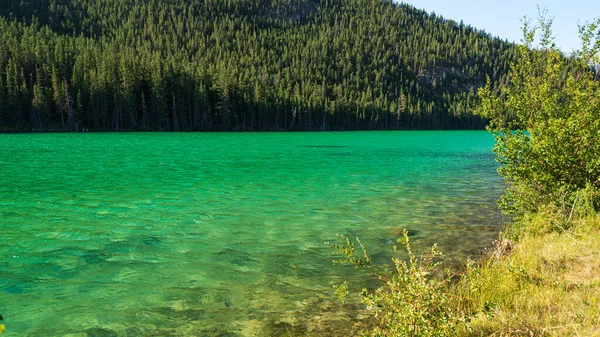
<point>235,257</point>
<point>101,332</point>
<point>151,241</point>
<point>94,257</point>
<point>411,232</point>
<point>16,288</point>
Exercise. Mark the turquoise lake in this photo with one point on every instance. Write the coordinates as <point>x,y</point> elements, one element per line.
<point>222,234</point>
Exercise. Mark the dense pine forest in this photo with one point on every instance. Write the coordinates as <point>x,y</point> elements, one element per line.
<point>240,65</point>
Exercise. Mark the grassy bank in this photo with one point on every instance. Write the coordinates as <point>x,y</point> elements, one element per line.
<point>547,284</point>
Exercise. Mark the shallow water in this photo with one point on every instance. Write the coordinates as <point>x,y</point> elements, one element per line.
<point>221,234</point>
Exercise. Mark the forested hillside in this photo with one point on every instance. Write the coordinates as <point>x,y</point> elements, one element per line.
<point>239,65</point>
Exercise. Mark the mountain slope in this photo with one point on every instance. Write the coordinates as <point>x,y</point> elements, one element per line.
<point>239,65</point>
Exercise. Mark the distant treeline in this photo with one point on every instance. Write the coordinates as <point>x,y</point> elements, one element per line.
<point>240,65</point>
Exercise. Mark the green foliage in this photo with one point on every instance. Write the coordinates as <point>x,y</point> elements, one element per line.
<point>240,65</point>
<point>410,301</point>
<point>544,285</point>
<point>546,122</point>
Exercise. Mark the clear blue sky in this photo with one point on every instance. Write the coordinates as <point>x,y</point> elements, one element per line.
<point>502,18</point>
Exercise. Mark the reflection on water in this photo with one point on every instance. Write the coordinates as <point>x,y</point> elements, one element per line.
<point>222,234</point>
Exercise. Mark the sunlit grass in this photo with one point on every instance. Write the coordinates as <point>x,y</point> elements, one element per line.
<point>547,285</point>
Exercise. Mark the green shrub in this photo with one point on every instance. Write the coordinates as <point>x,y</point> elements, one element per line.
<point>547,123</point>
<point>409,301</point>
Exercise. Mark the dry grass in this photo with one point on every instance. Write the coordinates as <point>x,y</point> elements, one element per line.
<point>547,285</point>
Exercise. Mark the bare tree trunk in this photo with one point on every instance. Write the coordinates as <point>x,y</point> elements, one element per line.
<point>71,126</point>
<point>175,119</point>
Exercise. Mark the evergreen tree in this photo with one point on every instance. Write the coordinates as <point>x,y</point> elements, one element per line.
<point>241,65</point>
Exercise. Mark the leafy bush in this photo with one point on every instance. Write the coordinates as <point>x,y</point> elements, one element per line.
<point>410,301</point>
<point>547,123</point>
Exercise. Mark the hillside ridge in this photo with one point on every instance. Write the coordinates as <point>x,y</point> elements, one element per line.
<point>240,65</point>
